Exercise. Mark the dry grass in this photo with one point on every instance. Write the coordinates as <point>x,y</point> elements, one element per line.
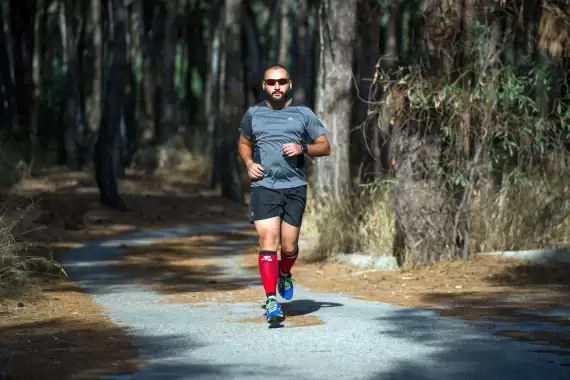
<point>20,257</point>
<point>363,222</point>
<point>528,215</point>
<point>554,36</point>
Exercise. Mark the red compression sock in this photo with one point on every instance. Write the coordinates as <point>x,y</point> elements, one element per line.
<point>288,259</point>
<point>269,271</point>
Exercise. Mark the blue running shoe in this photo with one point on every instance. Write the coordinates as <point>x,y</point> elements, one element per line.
<point>285,286</point>
<point>274,312</point>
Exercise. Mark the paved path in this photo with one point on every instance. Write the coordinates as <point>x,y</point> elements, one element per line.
<point>358,340</point>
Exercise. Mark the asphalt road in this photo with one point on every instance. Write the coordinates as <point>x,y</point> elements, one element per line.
<point>357,340</point>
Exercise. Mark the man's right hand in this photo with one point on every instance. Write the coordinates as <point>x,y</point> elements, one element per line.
<point>254,170</point>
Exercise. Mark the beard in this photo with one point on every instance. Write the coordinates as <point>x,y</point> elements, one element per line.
<point>281,97</point>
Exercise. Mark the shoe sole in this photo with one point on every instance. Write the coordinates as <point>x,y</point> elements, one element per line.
<point>276,319</point>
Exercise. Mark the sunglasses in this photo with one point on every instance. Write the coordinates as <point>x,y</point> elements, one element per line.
<point>272,82</point>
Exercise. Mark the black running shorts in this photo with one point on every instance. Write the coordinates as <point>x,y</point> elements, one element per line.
<point>289,204</point>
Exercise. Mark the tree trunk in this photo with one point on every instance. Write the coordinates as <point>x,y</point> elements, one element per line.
<point>93,103</point>
<point>301,53</point>
<point>368,138</point>
<point>284,33</point>
<point>153,37</point>
<point>108,138</point>
<point>196,52</point>
<point>254,54</point>
<point>393,54</point>
<point>312,62</point>
<point>22,28</point>
<point>168,120</point>
<point>71,138</point>
<point>273,33</point>
<point>334,100</point>
<point>6,66</point>
<point>425,207</point>
<point>130,113</point>
<point>233,100</point>
<point>462,221</point>
<point>213,91</point>
<point>39,23</point>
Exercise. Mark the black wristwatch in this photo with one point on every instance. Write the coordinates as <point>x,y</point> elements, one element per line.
<point>304,148</point>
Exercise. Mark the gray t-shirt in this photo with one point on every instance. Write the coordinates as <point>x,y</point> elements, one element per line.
<point>270,129</point>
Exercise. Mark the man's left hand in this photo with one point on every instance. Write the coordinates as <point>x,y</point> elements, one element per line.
<point>292,149</point>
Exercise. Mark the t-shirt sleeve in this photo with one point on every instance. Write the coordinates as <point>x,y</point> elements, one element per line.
<point>313,126</point>
<point>245,128</point>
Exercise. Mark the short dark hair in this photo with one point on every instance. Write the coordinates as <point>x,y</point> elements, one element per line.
<point>275,66</point>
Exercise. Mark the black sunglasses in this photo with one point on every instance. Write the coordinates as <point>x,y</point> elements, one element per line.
<point>272,82</point>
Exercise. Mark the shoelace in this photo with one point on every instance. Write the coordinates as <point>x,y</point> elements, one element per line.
<point>271,306</point>
<point>288,283</point>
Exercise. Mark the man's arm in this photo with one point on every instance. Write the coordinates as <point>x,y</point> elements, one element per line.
<point>319,148</point>
<point>254,169</point>
<point>245,150</point>
<point>316,132</point>
<point>246,139</point>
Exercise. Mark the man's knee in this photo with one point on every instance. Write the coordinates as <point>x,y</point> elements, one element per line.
<point>269,242</point>
<point>289,248</point>
<point>269,234</point>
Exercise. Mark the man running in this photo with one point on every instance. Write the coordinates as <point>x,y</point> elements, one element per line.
<point>275,136</point>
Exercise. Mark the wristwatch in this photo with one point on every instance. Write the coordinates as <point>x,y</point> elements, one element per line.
<point>304,148</point>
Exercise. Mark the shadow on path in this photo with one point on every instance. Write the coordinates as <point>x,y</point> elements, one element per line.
<point>92,350</point>
<point>99,266</point>
<point>444,349</point>
<point>305,307</point>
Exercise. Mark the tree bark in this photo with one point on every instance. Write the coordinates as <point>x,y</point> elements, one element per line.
<point>233,100</point>
<point>301,53</point>
<point>153,37</point>
<point>108,138</point>
<point>368,139</point>
<point>72,139</point>
<point>39,23</point>
<point>197,50</point>
<point>334,95</point>
<point>254,53</point>
<point>6,65</point>
<point>93,103</point>
<point>284,33</point>
<point>22,34</point>
<point>131,114</point>
<point>213,89</point>
<point>426,208</point>
<point>168,118</point>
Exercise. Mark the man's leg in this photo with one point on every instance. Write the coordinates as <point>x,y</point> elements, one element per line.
<point>265,213</point>
<point>268,231</point>
<point>294,210</point>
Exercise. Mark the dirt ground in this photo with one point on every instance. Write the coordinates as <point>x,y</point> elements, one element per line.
<point>51,329</point>
<point>61,334</point>
<point>53,315</point>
